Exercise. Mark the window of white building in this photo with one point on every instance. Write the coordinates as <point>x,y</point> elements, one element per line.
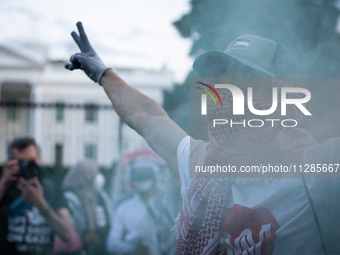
<point>60,111</point>
<point>90,151</point>
<point>91,113</point>
<point>11,112</point>
<point>58,154</point>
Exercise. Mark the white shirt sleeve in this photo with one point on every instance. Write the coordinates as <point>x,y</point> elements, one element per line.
<point>189,157</point>
<point>183,157</point>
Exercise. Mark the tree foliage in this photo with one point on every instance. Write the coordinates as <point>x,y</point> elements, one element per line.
<point>305,28</point>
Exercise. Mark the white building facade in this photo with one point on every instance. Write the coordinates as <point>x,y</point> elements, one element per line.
<point>69,115</point>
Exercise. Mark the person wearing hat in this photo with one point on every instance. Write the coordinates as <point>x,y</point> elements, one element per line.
<point>244,215</point>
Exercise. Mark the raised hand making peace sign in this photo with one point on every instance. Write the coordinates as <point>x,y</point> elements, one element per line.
<point>88,60</point>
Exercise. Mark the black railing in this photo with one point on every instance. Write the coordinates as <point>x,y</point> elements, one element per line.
<point>55,105</point>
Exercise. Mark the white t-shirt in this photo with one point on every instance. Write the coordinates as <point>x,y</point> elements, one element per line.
<point>260,207</point>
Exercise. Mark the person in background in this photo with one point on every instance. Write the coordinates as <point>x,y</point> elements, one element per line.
<point>89,205</point>
<point>123,234</point>
<point>31,212</point>
<point>157,221</point>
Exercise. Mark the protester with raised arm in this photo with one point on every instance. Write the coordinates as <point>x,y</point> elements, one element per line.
<point>229,215</point>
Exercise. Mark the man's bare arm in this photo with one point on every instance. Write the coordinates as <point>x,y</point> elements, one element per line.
<point>145,116</point>
<point>9,175</point>
<point>60,221</point>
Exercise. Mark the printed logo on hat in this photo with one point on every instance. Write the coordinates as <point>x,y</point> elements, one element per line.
<point>239,44</point>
